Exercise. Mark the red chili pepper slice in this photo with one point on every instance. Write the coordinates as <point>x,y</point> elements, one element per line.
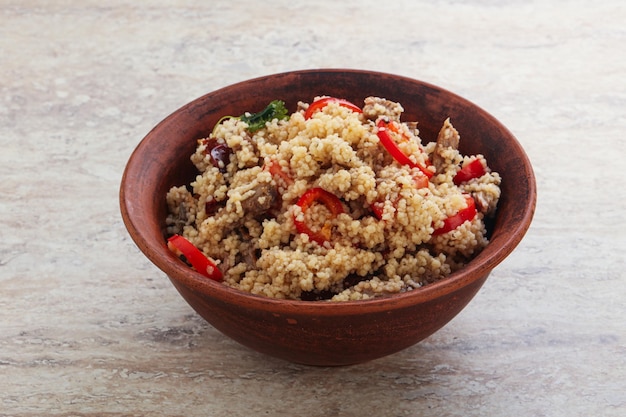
<point>378,208</point>
<point>274,168</point>
<point>474,169</point>
<point>420,181</point>
<point>465,214</point>
<point>332,203</point>
<point>323,102</point>
<point>384,126</point>
<point>181,246</point>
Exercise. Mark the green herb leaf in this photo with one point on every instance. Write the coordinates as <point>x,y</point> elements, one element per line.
<point>275,110</point>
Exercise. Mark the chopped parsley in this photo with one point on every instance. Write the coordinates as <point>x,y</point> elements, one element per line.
<point>256,121</point>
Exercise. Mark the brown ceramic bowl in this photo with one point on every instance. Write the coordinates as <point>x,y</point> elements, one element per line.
<point>314,332</point>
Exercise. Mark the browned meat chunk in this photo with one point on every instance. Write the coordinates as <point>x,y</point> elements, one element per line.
<point>263,199</point>
<point>482,205</point>
<point>448,138</point>
<point>376,107</point>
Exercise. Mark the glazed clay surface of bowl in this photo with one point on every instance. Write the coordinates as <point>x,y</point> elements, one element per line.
<point>317,332</point>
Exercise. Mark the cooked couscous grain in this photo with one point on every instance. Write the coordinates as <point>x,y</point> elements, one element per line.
<point>336,205</point>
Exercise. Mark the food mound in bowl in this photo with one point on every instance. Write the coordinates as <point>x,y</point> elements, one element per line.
<point>333,202</point>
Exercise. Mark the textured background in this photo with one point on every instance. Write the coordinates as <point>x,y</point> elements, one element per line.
<point>89,327</point>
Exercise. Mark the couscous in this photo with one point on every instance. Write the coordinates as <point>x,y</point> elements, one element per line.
<point>332,202</point>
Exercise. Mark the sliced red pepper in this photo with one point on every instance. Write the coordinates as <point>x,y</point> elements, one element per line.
<point>332,203</point>
<point>465,214</point>
<point>323,102</point>
<point>181,246</point>
<point>474,169</point>
<point>378,207</point>
<point>277,172</point>
<point>384,126</point>
<point>420,181</point>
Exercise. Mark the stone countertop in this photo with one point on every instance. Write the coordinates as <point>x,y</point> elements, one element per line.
<point>88,326</point>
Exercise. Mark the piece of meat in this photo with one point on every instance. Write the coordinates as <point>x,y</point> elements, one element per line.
<point>262,200</point>
<point>264,197</point>
<point>448,138</point>
<point>375,107</point>
<point>247,251</point>
<point>183,213</point>
<point>482,205</point>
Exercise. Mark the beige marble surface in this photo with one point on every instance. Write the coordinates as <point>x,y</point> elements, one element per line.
<point>89,327</point>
